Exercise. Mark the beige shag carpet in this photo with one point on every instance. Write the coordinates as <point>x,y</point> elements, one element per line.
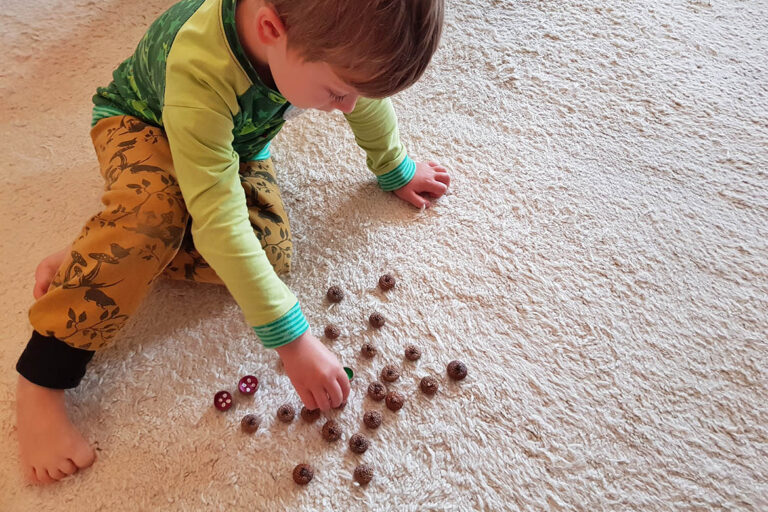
<point>600,264</point>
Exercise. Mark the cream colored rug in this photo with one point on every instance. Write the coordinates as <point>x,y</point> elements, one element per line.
<point>600,264</point>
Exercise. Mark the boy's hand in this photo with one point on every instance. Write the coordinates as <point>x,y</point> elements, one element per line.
<point>430,179</point>
<point>315,372</point>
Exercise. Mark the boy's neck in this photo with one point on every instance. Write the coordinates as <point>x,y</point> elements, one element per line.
<point>257,55</point>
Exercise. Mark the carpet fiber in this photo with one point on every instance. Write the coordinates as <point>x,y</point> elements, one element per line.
<point>600,264</point>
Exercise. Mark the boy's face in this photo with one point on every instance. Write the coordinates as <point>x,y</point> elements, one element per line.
<point>309,84</point>
<point>304,84</point>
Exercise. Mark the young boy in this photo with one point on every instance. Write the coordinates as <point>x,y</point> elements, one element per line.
<point>182,136</point>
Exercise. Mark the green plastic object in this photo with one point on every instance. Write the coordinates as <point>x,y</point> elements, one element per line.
<point>349,371</point>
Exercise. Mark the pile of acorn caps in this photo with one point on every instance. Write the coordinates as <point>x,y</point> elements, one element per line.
<point>377,391</point>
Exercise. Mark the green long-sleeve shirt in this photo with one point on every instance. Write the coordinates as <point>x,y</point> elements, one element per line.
<point>190,75</point>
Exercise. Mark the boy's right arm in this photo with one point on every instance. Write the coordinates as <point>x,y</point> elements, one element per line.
<point>207,169</point>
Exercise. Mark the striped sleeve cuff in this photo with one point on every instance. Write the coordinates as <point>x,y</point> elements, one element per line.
<point>263,154</point>
<point>102,111</point>
<point>283,330</point>
<point>399,176</point>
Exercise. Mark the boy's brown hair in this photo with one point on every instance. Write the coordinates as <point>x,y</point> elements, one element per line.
<point>379,47</point>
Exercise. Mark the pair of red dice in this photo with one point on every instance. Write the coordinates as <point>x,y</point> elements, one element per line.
<point>247,386</point>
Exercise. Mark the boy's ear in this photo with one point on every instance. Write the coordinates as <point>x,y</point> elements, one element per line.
<point>269,26</point>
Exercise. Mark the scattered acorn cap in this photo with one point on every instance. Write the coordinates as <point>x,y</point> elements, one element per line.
<point>303,473</point>
<point>377,391</point>
<point>412,352</point>
<point>250,423</point>
<point>363,474</point>
<point>395,401</point>
<point>332,332</point>
<point>386,282</point>
<point>331,431</point>
<point>286,413</point>
<point>372,419</point>
<point>457,370</point>
<point>335,294</point>
<point>368,350</point>
<point>358,443</point>
<point>390,373</point>
<point>376,320</point>
<point>429,385</point>
<point>309,415</point>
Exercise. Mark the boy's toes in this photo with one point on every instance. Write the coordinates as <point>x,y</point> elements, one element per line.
<point>56,473</point>
<point>29,475</point>
<point>42,475</point>
<point>67,467</point>
<point>84,455</point>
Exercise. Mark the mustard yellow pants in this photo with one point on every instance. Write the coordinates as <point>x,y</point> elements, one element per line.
<point>141,233</point>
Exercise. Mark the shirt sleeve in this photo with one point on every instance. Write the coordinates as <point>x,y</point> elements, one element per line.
<point>207,169</point>
<point>374,123</point>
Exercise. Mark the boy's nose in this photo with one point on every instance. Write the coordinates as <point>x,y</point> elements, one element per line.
<point>348,105</point>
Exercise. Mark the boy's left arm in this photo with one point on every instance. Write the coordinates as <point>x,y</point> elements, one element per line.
<point>374,123</point>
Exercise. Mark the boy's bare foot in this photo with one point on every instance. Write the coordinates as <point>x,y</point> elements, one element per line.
<point>50,447</point>
<point>46,269</point>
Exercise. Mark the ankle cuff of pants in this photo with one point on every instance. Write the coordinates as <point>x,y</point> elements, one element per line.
<point>51,363</point>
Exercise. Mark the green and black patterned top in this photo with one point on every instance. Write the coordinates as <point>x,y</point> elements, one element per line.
<point>190,75</point>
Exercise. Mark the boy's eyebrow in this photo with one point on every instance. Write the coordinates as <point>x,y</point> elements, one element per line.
<point>335,91</point>
<point>337,84</point>
<point>345,91</point>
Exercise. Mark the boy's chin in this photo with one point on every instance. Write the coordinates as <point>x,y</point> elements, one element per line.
<point>305,106</point>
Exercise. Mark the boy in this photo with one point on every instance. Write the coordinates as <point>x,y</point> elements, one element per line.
<point>182,136</point>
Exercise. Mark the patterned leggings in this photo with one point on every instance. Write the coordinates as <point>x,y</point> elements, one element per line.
<point>142,232</point>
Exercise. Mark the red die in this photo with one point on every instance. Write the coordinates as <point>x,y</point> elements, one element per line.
<point>248,385</point>
<point>222,400</point>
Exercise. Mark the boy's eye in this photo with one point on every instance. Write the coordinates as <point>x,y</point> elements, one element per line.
<point>336,97</point>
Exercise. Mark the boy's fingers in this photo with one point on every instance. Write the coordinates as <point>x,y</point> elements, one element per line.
<point>437,167</point>
<point>443,178</point>
<point>321,399</point>
<point>418,201</point>
<point>436,188</point>
<point>307,398</point>
<point>39,289</point>
<point>334,391</point>
<point>343,381</point>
